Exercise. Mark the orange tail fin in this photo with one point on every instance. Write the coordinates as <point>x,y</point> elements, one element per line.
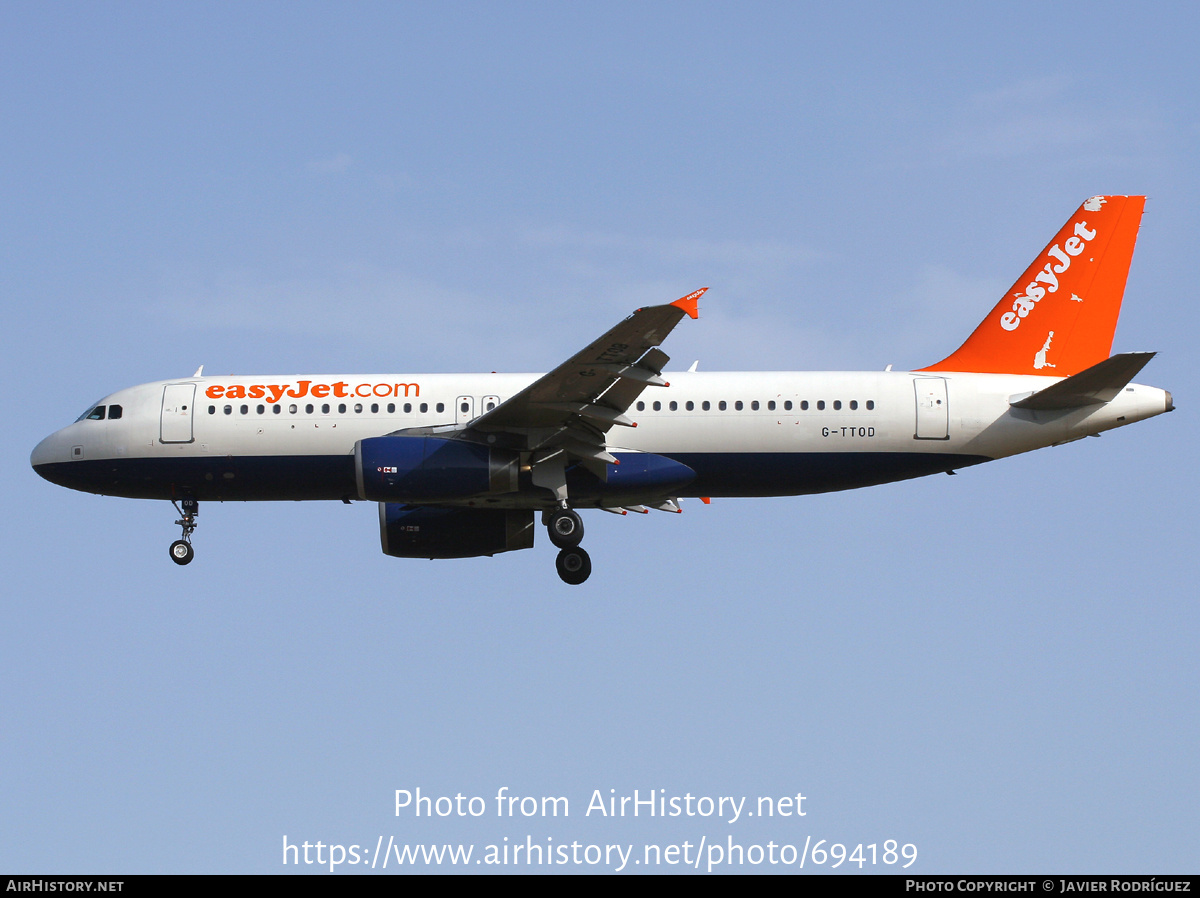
<point>1061,314</point>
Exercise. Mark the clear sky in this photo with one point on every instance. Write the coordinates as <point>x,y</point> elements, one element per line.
<point>999,668</point>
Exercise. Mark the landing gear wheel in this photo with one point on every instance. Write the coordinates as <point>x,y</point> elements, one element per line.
<point>182,552</point>
<point>566,529</point>
<point>574,565</point>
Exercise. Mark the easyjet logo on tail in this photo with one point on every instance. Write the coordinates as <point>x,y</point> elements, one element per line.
<point>1072,289</point>
<point>341,390</point>
<point>1047,279</point>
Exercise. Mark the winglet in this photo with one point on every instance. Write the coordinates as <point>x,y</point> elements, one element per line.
<point>691,302</point>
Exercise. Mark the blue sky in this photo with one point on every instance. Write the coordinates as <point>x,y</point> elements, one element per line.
<point>999,668</point>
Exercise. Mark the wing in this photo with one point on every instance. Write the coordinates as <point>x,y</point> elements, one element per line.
<point>597,385</point>
<point>565,416</point>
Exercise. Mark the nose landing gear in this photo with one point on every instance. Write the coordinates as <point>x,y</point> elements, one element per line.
<point>181,550</point>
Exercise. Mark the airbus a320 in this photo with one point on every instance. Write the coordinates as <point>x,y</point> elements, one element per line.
<point>461,465</point>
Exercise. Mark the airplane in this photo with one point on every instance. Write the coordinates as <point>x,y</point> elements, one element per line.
<point>460,463</point>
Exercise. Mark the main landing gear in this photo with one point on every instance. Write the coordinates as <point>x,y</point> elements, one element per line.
<point>566,532</point>
<point>574,565</point>
<point>181,550</point>
<point>566,528</point>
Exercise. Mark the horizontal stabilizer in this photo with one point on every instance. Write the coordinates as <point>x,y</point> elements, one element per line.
<point>1093,386</point>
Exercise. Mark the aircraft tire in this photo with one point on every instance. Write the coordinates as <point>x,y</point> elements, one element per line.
<point>574,565</point>
<point>182,552</point>
<point>565,528</point>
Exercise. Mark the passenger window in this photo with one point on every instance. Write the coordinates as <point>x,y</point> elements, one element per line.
<point>754,406</point>
<point>308,409</point>
<point>408,408</point>
<point>341,408</point>
<point>424,407</point>
<point>358,408</point>
<point>657,406</point>
<point>706,405</point>
<point>491,405</point>
<point>870,404</point>
<point>721,405</point>
<point>374,407</point>
<point>690,405</point>
<point>641,406</point>
<point>276,409</point>
<point>464,407</point>
<point>674,406</point>
<point>803,405</point>
<point>114,412</point>
<point>262,409</point>
<point>853,404</point>
<point>212,409</point>
<point>820,405</point>
<point>292,409</point>
<point>391,408</point>
<point>441,407</point>
<point>229,409</point>
<point>245,409</point>
<point>837,404</point>
<point>771,405</point>
<point>325,409</point>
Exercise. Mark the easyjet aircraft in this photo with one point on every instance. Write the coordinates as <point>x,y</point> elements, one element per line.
<point>460,463</point>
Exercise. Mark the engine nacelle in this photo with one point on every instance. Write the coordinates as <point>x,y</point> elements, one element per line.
<point>430,469</point>
<point>407,531</point>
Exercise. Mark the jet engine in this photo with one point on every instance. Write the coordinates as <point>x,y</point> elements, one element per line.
<point>431,469</point>
<point>408,531</point>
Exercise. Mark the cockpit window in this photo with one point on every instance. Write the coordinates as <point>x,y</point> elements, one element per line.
<point>95,413</point>
<point>114,412</point>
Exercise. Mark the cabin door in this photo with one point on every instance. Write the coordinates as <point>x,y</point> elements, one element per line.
<point>176,423</point>
<point>933,413</point>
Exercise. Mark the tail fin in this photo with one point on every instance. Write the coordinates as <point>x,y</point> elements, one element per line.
<point>1060,316</point>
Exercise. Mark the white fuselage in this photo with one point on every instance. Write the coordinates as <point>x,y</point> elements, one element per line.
<point>745,433</point>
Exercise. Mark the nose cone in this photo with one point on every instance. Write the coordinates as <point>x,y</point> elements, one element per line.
<point>49,456</point>
<point>42,454</point>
